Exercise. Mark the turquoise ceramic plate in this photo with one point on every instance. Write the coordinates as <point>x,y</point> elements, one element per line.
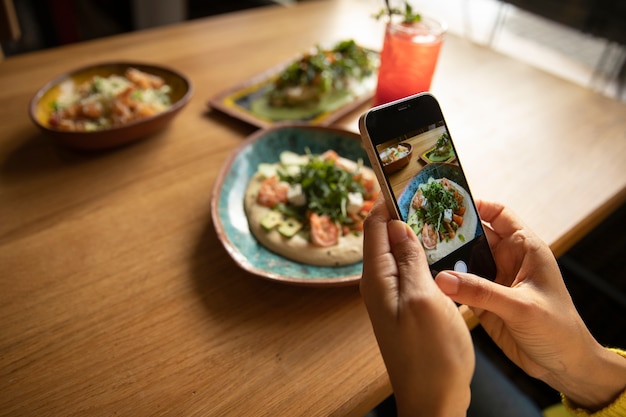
<point>228,194</point>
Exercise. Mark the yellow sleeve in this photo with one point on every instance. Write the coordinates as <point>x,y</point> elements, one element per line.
<point>616,409</point>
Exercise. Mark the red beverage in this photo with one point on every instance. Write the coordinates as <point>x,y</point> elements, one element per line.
<point>408,59</point>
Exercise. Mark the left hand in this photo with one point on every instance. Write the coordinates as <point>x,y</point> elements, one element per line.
<point>423,338</point>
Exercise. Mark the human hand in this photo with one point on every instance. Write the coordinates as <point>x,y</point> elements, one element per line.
<point>423,338</point>
<point>529,313</point>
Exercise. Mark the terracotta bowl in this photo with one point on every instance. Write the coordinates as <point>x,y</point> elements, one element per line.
<point>41,106</point>
<point>399,163</point>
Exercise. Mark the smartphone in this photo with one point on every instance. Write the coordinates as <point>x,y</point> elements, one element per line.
<point>411,150</point>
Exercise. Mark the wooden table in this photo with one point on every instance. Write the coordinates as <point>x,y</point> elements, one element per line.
<point>116,296</point>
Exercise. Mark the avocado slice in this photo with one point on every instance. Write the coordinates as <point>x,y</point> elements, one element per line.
<point>289,227</point>
<point>271,219</point>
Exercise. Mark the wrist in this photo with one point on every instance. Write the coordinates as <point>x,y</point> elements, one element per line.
<point>603,380</point>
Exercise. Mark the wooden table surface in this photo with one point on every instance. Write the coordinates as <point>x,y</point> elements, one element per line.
<point>117,298</point>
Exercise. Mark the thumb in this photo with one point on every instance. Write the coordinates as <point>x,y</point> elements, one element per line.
<point>476,292</point>
<point>413,271</point>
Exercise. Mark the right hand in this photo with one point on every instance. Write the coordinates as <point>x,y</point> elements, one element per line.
<point>529,313</point>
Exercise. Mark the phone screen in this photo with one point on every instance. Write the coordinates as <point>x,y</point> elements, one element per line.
<point>422,171</point>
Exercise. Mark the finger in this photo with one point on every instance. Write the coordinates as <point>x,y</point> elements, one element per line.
<point>375,238</point>
<point>414,273</point>
<point>492,237</point>
<point>502,219</point>
<point>378,285</point>
<point>477,292</point>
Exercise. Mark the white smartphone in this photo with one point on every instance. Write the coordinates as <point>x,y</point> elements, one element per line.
<point>421,178</point>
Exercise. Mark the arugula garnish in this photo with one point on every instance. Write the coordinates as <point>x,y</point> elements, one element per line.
<point>439,199</point>
<point>325,70</point>
<point>326,187</point>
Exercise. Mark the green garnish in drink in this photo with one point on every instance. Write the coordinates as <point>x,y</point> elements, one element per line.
<point>408,15</point>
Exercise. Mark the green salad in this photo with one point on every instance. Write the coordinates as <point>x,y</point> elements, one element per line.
<point>443,149</point>
<point>305,81</point>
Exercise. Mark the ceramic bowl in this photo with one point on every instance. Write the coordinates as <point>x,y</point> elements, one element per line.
<point>399,163</point>
<point>227,202</point>
<point>41,106</point>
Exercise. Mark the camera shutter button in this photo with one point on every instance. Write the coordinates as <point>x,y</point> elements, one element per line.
<point>460,266</point>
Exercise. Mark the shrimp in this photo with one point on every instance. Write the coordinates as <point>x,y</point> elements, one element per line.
<point>446,184</point>
<point>99,103</point>
<point>272,192</point>
<point>324,231</point>
<point>418,200</point>
<point>144,80</point>
<point>121,113</point>
<point>330,155</point>
<point>343,163</point>
<point>91,109</point>
<point>122,107</point>
<point>429,236</point>
<point>69,112</point>
<point>145,110</point>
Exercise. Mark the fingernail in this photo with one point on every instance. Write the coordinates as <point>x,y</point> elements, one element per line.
<point>398,231</point>
<point>448,283</point>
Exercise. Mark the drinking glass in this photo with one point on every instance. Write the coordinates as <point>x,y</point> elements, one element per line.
<point>408,58</point>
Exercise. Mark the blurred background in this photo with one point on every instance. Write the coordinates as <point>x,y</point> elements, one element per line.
<point>580,40</point>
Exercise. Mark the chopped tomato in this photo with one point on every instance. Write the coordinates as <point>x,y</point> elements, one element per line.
<point>358,223</point>
<point>367,206</point>
<point>324,231</point>
<point>368,182</point>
